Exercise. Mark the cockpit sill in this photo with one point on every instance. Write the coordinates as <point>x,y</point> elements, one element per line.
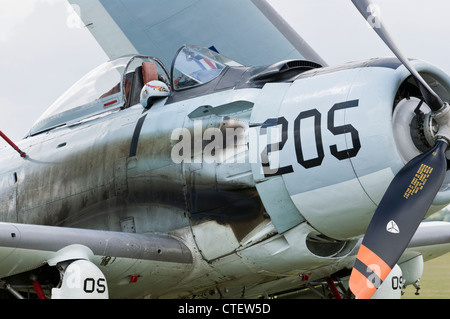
<point>195,71</point>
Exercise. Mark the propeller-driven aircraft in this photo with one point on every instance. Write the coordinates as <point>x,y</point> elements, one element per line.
<point>243,167</point>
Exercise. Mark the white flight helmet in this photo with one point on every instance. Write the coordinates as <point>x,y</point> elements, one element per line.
<point>153,90</point>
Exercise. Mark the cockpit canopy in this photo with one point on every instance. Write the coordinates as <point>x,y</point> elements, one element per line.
<point>117,84</point>
<point>194,66</point>
<point>112,85</point>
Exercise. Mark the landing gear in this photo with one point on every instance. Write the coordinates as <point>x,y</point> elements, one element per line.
<point>330,288</point>
<point>68,275</point>
<point>417,286</point>
<point>34,284</point>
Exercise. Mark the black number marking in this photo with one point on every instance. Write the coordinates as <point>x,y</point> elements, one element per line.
<point>317,161</point>
<point>338,130</point>
<point>274,147</point>
<point>90,284</point>
<point>318,138</point>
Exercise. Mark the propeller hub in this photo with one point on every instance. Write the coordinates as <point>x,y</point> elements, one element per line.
<point>414,128</point>
<point>417,128</point>
<point>430,129</point>
<point>442,118</point>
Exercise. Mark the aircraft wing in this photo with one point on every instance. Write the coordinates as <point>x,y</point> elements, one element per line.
<point>250,32</point>
<point>28,248</point>
<point>432,239</point>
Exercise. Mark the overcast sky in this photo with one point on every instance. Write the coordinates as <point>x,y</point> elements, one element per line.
<point>43,52</point>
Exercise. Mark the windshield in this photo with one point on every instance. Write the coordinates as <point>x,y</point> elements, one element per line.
<point>195,65</point>
<point>110,86</point>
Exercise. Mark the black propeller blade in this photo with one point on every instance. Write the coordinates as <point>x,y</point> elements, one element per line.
<point>409,195</point>
<point>397,218</point>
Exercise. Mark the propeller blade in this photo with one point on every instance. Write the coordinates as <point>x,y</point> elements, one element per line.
<point>365,7</point>
<point>397,218</point>
<point>410,193</point>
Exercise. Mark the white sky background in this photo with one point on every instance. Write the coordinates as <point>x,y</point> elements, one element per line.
<point>42,54</point>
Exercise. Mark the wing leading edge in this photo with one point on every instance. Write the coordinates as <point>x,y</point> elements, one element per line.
<point>250,32</point>
<point>155,260</point>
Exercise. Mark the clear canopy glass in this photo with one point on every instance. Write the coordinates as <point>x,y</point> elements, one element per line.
<point>196,65</point>
<point>117,84</point>
<point>106,88</point>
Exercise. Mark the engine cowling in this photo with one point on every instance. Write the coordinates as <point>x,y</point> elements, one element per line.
<point>336,150</point>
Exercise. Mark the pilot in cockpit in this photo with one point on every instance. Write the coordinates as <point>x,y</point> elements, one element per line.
<point>136,84</point>
<point>155,86</point>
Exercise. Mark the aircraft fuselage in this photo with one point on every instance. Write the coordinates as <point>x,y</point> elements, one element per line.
<point>247,175</point>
